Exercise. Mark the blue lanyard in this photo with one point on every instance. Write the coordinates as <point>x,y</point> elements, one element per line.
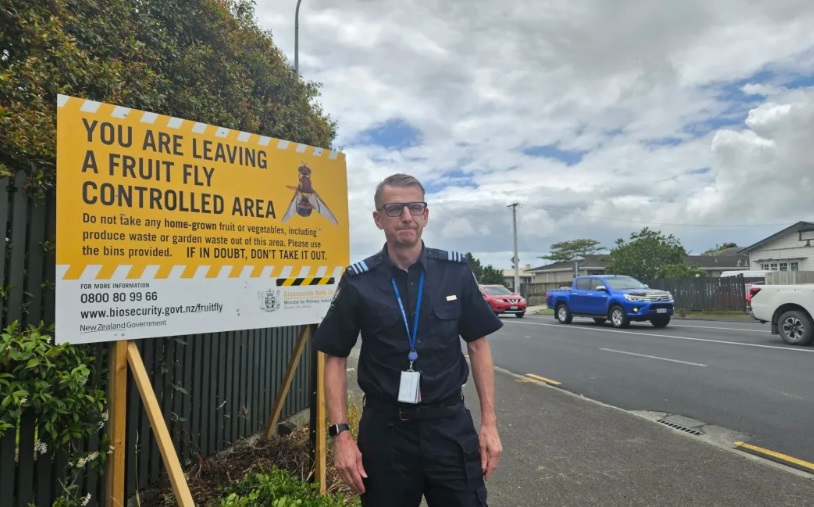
<point>413,355</point>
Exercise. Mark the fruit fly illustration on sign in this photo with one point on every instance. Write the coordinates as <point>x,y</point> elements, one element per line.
<point>306,199</point>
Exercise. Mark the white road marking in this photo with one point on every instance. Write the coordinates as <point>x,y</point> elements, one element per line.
<point>680,326</point>
<point>653,357</point>
<point>673,337</point>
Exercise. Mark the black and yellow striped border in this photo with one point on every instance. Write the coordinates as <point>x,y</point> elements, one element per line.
<point>304,282</point>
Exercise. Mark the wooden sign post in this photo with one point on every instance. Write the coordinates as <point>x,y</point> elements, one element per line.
<point>318,415</point>
<point>122,354</point>
<point>117,423</point>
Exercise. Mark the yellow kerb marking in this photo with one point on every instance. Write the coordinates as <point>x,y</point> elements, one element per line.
<point>784,457</point>
<point>542,379</point>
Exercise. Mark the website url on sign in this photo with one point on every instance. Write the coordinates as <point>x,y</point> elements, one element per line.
<point>156,311</point>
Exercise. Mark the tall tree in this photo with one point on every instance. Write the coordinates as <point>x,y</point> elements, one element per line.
<point>491,276</point>
<point>682,270</point>
<point>216,66</point>
<point>485,275</point>
<point>649,254</point>
<point>475,264</point>
<point>718,248</point>
<point>567,250</point>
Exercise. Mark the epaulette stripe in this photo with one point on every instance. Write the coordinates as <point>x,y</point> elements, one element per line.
<point>359,267</point>
<point>454,256</point>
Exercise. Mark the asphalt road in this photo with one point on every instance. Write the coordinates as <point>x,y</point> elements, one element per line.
<point>735,376</point>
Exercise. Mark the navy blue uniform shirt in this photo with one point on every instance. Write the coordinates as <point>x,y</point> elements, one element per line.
<point>452,308</point>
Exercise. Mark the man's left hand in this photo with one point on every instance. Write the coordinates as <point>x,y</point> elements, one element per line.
<point>490,450</point>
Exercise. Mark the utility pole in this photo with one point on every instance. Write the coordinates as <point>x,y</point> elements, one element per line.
<point>516,262</point>
<point>297,39</point>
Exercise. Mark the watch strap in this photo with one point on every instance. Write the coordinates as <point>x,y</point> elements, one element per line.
<point>336,429</point>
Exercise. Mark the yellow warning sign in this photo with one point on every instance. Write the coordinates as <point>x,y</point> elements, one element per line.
<point>168,226</point>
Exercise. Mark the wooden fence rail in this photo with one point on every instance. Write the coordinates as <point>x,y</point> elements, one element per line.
<point>789,277</point>
<point>213,388</point>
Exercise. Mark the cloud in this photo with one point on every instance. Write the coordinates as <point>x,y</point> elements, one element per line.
<point>393,134</point>
<point>599,117</point>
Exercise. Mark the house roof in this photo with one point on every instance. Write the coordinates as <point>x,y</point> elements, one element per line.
<point>602,261</point>
<point>591,261</point>
<point>718,261</point>
<point>798,227</point>
<point>728,251</point>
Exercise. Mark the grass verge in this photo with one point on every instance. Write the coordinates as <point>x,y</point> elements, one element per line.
<point>715,316</point>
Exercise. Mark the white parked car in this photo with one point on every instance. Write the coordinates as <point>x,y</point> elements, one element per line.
<point>789,310</point>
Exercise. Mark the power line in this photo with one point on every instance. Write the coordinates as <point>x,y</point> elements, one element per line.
<point>647,222</point>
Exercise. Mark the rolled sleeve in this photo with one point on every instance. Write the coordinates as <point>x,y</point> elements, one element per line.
<point>477,318</point>
<point>339,330</point>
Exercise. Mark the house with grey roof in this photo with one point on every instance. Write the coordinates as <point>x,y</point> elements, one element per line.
<point>564,272</point>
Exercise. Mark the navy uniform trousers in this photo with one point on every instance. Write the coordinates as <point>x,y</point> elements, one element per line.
<point>409,451</point>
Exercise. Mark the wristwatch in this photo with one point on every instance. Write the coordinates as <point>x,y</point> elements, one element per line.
<point>336,429</point>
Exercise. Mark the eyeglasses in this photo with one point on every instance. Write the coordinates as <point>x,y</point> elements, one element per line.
<point>395,209</point>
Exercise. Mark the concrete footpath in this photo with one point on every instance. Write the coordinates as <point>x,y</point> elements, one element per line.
<point>562,449</point>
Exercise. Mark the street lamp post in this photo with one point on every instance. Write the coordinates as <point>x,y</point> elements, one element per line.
<point>577,260</point>
<point>515,259</point>
<point>297,39</point>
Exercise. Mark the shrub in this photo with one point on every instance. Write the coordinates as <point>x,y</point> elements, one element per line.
<point>278,488</point>
<point>58,387</point>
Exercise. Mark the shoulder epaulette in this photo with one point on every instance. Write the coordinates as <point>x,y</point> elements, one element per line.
<point>357,268</point>
<point>447,255</point>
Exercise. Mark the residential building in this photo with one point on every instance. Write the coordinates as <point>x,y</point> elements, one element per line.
<point>526,276</point>
<point>791,249</point>
<point>564,271</point>
<point>714,265</point>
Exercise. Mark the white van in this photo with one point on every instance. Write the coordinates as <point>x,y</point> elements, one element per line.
<point>746,274</point>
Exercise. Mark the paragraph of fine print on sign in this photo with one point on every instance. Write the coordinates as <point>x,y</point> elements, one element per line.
<point>200,239</point>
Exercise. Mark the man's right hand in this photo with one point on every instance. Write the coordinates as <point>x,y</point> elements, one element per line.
<point>348,462</point>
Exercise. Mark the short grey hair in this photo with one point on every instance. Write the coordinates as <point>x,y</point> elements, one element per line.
<point>396,180</point>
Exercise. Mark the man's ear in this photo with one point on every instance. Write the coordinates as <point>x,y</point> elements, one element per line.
<point>376,219</point>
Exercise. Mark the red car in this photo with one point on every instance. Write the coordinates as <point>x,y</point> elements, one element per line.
<point>502,300</point>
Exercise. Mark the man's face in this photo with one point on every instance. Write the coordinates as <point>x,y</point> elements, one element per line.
<point>406,228</point>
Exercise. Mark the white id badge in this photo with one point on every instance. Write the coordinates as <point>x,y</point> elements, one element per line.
<point>410,388</point>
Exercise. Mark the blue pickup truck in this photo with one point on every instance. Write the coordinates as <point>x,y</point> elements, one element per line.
<point>622,299</point>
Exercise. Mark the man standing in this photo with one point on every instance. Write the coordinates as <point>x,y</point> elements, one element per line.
<point>412,304</point>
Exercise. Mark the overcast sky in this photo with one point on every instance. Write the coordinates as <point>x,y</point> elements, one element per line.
<point>599,117</point>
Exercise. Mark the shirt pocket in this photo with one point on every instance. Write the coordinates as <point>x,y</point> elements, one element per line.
<point>384,320</point>
<point>446,315</point>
